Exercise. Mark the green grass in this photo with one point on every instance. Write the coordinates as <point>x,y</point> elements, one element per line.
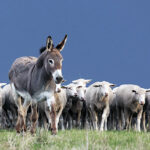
<point>75,140</point>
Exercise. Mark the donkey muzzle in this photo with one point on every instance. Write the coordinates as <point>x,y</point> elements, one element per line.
<point>57,76</point>
<point>59,79</point>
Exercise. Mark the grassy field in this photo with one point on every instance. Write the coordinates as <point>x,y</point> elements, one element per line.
<point>75,140</point>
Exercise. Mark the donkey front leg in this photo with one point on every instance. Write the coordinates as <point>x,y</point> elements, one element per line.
<point>53,120</point>
<point>34,118</point>
<point>52,111</point>
<point>20,120</point>
<point>25,109</point>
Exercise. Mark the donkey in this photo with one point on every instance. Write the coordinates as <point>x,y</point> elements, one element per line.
<point>34,79</point>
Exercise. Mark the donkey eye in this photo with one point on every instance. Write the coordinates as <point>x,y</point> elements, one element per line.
<point>51,61</point>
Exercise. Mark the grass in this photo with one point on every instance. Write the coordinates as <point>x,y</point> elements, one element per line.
<point>75,140</point>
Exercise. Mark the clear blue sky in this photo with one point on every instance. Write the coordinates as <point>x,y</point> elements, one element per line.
<point>107,40</point>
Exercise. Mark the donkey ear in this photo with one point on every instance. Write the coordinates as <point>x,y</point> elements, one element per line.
<point>61,45</point>
<point>49,43</point>
<point>147,90</point>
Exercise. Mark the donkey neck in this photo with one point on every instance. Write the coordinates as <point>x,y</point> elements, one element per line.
<point>40,80</point>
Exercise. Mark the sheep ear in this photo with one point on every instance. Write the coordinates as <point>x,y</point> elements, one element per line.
<point>49,43</point>
<point>2,84</point>
<point>64,87</point>
<point>61,45</point>
<point>79,86</point>
<point>96,85</point>
<point>63,81</point>
<point>134,91</point>
<point>147,90</point>
<point>75,81</point>
<point>112,84</point>
<point>88,81</point>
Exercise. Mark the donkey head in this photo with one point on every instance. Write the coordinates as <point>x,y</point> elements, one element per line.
<point>51,59</point>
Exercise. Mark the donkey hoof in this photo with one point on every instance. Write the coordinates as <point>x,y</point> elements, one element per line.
<point>32,131</point>
<point>48,108</point>
<point>54,132</point>
<point>18,131</point>
<point>24,129</point>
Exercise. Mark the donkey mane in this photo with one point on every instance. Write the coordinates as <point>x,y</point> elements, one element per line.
<point>41,57</point>
<point>43,48</point>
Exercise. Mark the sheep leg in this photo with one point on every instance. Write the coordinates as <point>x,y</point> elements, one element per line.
<point>14,114</point>
<point>114,119</point>
<point>85,120</point>
<point>122,119</point>
<point>119,127</point>
<point>110,122</point>
<point>108,112</point>
<point>105,122</point>
<point>104,117</point>
<point>148,117</point>
<point>47,112</point>
<point>61,123</point>
<point>45,123</point>
<point>127,120</point>
<point>70,121</point>
<point>1,111</point>
<point>94,118</point>
<point>78,119</point>
<point>64,116</point>
<point>139,116</point>
<point>57,117</point>
<point>143,121</point>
